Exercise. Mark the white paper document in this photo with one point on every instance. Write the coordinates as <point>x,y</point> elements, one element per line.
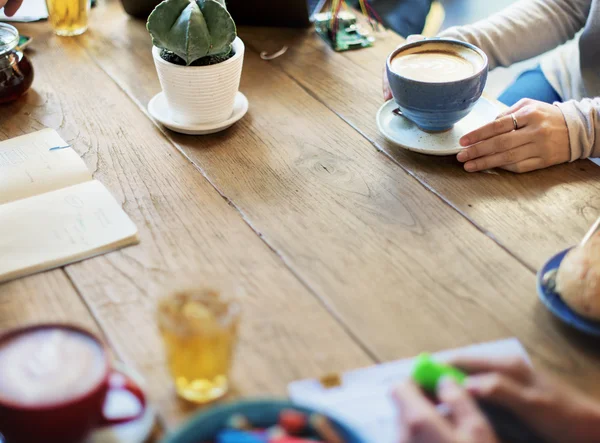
<point>364,399</point>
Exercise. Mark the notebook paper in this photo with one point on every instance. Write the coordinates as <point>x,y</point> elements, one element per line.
<point>29,167</point>
<point>364,398</point>
<point>61,227</point>
<point>52,212</point>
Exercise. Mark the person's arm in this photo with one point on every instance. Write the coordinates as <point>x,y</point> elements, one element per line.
<point>524,30</point>
<point>583,122</point>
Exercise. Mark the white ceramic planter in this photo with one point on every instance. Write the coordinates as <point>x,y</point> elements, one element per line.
<point>201,94</point>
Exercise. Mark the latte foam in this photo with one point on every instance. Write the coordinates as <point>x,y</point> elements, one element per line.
<point>437,62</point>
<point>48,366</point>
<point>433,67</point>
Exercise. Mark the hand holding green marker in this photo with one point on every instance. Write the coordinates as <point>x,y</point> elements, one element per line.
<point>427,373</point>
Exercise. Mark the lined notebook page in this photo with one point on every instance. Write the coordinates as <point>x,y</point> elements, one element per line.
<point>28,167</point>
<point>61,227</point>
<point>364,400</point>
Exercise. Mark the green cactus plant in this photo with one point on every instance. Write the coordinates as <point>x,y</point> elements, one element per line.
<point>193,30</point>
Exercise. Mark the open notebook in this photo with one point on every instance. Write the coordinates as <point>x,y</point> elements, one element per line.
<point>51,210</point>
<point>362,398</point>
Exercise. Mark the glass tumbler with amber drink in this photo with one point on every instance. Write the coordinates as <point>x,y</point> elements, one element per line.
<point>68,17</point>
<point>199,328</point>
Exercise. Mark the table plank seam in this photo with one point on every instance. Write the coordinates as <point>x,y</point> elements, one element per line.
<point>404,271</point>
<point>94,316</point>
<point>283,72</point>
<point>364,346</point>
<point>406,170</point>
<point>161,418</point>
<point>328,306</point>
<point>105,337</point>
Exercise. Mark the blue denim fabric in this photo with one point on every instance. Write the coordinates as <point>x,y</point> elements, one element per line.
<point>530,84</point>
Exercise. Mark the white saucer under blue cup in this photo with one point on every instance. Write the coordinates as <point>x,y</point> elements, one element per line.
<point>404,133</point>
<point>430,114</point>
<point>557,306</point>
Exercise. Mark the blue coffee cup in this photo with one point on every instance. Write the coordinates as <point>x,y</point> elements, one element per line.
<point>437,99</point>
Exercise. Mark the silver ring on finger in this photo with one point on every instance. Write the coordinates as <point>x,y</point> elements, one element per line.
<point>515,122</point>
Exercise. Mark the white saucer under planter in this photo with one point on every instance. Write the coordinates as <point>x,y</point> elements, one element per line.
<point>200,95</point>
<point>159,110</point>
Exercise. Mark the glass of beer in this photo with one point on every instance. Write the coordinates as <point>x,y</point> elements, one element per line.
<point>68,17</point>
<point>199,328</point>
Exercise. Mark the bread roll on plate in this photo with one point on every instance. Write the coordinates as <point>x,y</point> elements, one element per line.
<point>578,279</point>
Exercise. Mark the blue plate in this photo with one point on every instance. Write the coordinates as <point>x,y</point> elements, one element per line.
<point>261,413</point>
<point>557,306</point>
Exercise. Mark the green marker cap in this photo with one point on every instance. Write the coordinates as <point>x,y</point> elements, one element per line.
<point>427,372</point>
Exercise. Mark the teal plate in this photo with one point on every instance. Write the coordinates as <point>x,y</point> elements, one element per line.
<point>262,413</point>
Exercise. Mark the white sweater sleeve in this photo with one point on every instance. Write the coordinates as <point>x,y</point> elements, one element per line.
<point>583,121</point>
<point>525,29</point>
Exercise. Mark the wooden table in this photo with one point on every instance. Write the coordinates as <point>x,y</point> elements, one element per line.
<point>352,251</point>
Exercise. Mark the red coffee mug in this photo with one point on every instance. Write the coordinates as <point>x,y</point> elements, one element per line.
<point>70,420</point>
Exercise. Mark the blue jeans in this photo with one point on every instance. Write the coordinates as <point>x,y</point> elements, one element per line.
<point>405,17</point>
<point>530,84</point>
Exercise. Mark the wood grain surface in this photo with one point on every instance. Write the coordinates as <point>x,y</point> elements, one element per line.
<point>187,231</point>
<point>44,298</point>
<point>350,250</point>
<point>532,215</point>
<point>387,254</point>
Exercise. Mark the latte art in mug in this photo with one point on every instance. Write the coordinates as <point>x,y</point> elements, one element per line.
<point>49,366</point>
<point>437,62</point>
<point>433,67</point>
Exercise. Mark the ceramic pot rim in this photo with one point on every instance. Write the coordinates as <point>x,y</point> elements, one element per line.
<point>238,46</point>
